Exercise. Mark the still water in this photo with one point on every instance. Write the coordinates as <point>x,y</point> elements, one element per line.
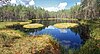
<point>66,37</point>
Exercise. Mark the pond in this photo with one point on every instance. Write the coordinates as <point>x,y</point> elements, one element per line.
<point>66,37</point>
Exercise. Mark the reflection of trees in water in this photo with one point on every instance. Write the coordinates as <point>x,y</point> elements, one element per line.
<point>20,27</point>
<point>52,22</point>
<point>83,30</point>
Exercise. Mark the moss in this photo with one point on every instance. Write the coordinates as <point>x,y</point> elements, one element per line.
<point>65,25</point>
<point>35,25</point>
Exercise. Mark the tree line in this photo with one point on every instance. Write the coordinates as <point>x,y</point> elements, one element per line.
<point>89,9</point>
<point>22,13</point>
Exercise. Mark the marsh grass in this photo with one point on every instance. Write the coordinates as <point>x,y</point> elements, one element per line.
<point>35,25</point>
<point>5,24</point>
<point>42,44</point>
<point>65,25</point>
<point>24,23</point>
<point>11,33</point>
<point>7,37</point>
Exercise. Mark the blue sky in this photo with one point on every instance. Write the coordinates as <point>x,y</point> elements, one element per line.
<point>50,5</point>
<point>54,3</point>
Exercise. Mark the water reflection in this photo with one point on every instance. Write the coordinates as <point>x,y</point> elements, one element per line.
<point>65,37</point>
<point>50,27</point>
<point>52,22</point>
<point>63,30</point>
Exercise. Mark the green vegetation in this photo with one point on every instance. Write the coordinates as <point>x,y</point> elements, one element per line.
<point>92,45</point>
<point>95,29</point>
<point>94,26</point>
<point>88,9</point>
<point>5,24</point>
<point>65,25</point>
<point>35,25</point>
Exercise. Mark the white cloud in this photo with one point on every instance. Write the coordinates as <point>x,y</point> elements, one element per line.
<point>61,6</point>
<point>78,3</point>
<point>13,2</point>
<point>51,8</point>
<point>31,2</point>
<point>23,2</point>
<point>2,3</point>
